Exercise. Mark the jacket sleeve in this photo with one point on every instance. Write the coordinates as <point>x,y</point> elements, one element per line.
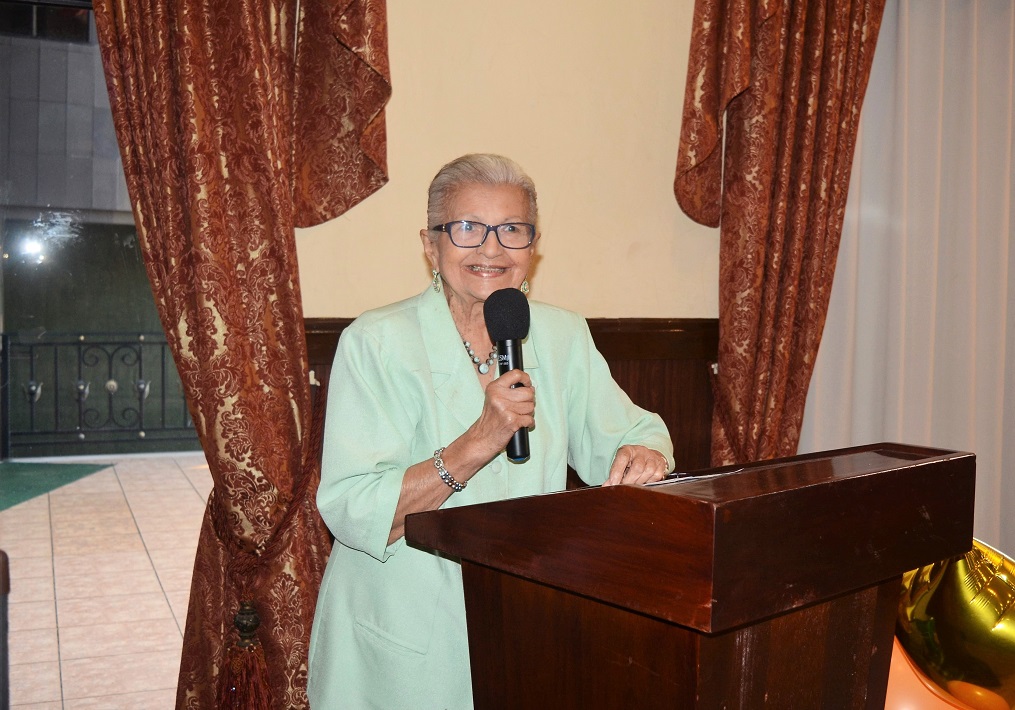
<point>367,438</point>
<point>602,418</point>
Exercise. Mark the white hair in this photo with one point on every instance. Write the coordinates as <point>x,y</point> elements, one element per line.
<point>476,169</point>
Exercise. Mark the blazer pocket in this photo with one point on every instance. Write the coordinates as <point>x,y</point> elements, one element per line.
<point>399,614</point>
<point>371,634</point>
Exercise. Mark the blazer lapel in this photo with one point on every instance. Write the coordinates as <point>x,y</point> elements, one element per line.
<point>455,383</point>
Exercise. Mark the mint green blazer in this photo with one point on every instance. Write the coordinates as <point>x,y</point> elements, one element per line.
<point>389,630</point>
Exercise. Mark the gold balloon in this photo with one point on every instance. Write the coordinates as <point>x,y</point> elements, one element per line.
<point>957,622</point>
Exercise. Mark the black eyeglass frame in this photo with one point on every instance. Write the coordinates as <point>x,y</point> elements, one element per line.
<point>446,228</point>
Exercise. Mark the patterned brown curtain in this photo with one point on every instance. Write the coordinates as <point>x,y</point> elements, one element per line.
<point>789,78</point>
<point>238,119</point>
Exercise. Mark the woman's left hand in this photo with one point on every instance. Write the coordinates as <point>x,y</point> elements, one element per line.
<point>637,464</point>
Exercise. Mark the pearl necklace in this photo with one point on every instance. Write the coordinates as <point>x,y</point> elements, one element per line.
<point>483,367</point>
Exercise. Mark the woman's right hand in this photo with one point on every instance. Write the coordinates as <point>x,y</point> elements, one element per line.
<point>506,409</point>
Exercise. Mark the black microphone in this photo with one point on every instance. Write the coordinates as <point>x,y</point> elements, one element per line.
<point>507,320</point>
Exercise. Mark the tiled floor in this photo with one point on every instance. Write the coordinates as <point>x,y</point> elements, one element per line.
<point>100,578</point>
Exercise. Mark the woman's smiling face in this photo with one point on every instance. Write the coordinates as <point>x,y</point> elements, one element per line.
<point>471,275</point>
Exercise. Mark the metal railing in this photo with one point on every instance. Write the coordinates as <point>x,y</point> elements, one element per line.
<point>96,392</point>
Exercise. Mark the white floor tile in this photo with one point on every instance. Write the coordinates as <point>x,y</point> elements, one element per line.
<point>94,601</point>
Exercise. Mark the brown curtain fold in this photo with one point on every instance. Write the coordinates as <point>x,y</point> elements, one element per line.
<point>342,84</point>
<point>788,77</point>
<point>229,134</point>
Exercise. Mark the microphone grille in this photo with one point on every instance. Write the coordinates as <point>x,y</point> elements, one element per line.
<point>507,315</point>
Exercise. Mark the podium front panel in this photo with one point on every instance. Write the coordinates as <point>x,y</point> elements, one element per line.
<point>534,646</point>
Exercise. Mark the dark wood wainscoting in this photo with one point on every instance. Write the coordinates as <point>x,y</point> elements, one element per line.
<point>662,363</point>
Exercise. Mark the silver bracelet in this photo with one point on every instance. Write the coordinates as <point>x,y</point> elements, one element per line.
<point>438,463</point>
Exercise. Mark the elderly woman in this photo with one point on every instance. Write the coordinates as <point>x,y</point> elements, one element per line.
<point>418,419</point>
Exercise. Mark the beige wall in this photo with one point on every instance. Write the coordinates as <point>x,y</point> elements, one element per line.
<point>587,97</point>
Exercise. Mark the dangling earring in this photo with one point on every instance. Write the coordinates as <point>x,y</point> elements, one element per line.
<point>524,288</point>
<point>436,280</point>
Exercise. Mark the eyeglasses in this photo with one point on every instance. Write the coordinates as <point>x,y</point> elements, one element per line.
<point>470,235</point>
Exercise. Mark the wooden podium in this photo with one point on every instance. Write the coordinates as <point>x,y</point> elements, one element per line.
<point>773,586</point>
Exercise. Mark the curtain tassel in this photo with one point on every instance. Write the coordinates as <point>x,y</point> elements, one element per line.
<point>244,682</point>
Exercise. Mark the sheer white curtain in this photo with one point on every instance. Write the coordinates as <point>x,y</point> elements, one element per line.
<point>919,345</point>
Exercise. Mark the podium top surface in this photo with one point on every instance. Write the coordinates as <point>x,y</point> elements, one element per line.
<point>727,547</point>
